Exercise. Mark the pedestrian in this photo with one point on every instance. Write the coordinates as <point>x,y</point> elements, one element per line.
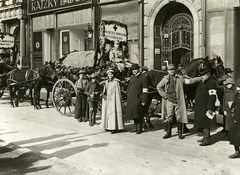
<point>81,99</point>
<point>164,66</point>
<point>230,93</point>
<point>205,98</point>
<point>112,114</point>
<point>93,91</point>
<point>220,90</point>
<point>137,92</point>
<point>234,132</point>
<point>173,100</point>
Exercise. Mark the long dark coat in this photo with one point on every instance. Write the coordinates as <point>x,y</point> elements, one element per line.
<point>204,102</point>
<point>137,94</point>
<point>234,132</point>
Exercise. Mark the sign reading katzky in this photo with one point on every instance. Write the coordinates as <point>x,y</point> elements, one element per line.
<point>37,6</point>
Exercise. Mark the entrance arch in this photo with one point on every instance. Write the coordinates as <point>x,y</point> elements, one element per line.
<point>160,15</point>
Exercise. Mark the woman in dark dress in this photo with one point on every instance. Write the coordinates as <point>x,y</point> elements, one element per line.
<point>234,132</point>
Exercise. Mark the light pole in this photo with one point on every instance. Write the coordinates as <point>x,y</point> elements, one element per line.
<point>88,31</point>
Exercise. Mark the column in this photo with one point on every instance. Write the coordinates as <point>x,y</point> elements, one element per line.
<point>22,56</point>
<point>2,28</point>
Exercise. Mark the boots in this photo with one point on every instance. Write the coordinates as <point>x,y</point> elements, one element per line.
<point>134,130</point>
<point>139,128</point>
<point>169,130</point>
<point>206,141</point>
<point>91,118</point>
<point>180,131</point>
<point>235,155</point>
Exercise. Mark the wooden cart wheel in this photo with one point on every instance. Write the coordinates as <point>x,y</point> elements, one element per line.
<point>64,97</point>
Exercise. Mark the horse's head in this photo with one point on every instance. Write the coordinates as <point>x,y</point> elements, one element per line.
<point>191,69</point>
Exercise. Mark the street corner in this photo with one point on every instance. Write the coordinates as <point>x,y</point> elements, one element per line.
<point>17,160</point>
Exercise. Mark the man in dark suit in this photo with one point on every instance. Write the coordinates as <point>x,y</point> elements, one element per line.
<point>137,98</point>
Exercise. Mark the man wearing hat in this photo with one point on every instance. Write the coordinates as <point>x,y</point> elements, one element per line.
<point>93,91</point>
<point>81,99</point>
<point>205,98</point>
<point>137,98</point>
<point>173,100</point>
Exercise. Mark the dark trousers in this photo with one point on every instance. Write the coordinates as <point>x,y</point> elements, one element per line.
<point>92,112</point>
<point>81,106</point>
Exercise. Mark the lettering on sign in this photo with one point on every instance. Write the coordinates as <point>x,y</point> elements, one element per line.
<point>36,6</point>
<point>115,32</point>
<point>6,40</point>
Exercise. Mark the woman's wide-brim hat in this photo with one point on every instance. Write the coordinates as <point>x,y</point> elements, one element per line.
<point>228,81</point>
<point>135,66</point>
<point>110,70</point>
<point>82,72</point>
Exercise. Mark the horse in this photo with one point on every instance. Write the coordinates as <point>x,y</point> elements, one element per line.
<point>155,76</point>
<point>47,76</point>
<point>19,80</point>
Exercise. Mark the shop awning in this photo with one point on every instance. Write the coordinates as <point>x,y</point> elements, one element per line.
<point>79,59</point>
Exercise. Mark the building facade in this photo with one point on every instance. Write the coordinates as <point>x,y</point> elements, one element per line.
<point>174,31</point>
<point>14,20</point>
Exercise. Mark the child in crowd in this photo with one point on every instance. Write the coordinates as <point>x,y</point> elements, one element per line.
<point>230,93</point>
<point>93,91</point>
<point>81,100</point>
<point>234,132</point>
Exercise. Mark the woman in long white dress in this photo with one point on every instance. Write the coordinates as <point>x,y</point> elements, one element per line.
<point>112,115</point>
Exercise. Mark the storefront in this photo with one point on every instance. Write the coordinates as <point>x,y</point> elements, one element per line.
<point>57,28</point>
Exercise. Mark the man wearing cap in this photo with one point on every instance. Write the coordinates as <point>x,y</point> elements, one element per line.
<point>93,91</point>
<point>81,99</point>
<point>116,54</point>
<point>137,98</point>
<point>173,102</point>
<point>205,98</point>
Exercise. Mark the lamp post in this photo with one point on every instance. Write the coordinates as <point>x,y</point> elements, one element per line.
<point>88,31</point>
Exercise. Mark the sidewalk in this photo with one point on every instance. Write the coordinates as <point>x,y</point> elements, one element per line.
<point>15,160</point>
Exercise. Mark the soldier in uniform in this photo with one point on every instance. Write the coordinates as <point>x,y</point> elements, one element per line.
<point>205,98</point>
<point>137,98</point>
<point>93,91</point>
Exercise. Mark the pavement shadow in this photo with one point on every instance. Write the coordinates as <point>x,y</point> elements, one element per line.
<point>42,138</point>
<point>75,150</point>
<point>8,132</point>
<point>22,164</point>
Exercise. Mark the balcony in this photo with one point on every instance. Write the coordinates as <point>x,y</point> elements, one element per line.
<point>12,9</point>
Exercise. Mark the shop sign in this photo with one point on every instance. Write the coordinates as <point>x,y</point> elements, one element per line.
<point>6,40</point>
<point>36,6</point>
<point>115,32</point>
<point>65,42</point>
<point>37,49</point>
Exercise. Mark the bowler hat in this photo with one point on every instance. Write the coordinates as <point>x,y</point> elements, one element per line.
<point>135,66</point>
<point>171,67</point>
<point>228,70</point>
<point>228,81</point>
<point>238,83</point>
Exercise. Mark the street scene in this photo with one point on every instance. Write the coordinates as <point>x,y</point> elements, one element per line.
<point>45,142</point>
<point>119,87</point>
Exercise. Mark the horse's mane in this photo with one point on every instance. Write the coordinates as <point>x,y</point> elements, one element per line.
<point>191,67</point>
